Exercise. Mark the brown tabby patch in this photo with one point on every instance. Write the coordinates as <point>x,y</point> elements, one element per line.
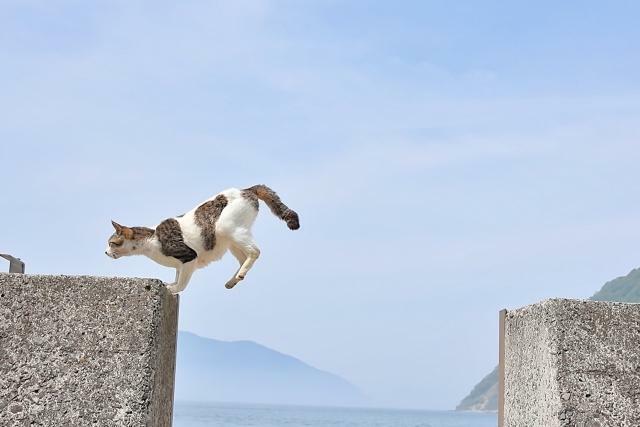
<point>171,241</point>
<point>206,216</point>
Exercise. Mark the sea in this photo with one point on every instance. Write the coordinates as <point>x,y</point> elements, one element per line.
<point>236,415</point>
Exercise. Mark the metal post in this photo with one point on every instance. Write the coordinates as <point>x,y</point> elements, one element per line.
<point>15,264</point>
<point>501,371</point>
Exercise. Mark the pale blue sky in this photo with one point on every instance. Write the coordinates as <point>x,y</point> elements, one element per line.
<point>447,160</point>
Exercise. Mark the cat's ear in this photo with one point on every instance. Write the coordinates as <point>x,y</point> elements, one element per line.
<point>122,230</point>
<point>117,226</point>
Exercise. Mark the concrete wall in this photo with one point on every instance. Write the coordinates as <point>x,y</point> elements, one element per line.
<point>86,351</point>
<point>573,363</point>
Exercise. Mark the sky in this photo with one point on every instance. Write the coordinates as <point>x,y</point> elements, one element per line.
<point>447,160</point>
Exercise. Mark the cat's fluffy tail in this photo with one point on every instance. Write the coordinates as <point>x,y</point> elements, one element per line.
<point>278,208</point>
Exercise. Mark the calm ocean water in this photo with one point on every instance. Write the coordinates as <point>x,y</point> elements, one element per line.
<point>235,415</point>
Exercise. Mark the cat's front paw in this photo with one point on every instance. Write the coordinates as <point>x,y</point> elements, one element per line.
<point>172,288</point>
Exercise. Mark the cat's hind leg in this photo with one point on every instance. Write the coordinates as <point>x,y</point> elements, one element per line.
<point>241,257</point>
<point>246,251</point>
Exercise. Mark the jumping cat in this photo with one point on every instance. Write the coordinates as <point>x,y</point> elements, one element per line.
<point>204,234</point>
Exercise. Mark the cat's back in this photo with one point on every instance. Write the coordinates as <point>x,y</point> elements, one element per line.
<point>223,198</point>
<point>229,195</point>
<point>220,214</point>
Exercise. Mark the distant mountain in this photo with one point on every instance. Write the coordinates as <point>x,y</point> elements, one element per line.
<point>622,289</point>
<point>243,371</point>
<point>484,396</point>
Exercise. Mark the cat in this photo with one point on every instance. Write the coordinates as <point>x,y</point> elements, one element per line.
<point>204,234</point>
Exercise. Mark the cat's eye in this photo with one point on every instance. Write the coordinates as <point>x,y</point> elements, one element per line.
<point>112,244</point>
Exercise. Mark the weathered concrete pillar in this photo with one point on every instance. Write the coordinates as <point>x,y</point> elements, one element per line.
<point>86,351</point>
<point>572,363</point>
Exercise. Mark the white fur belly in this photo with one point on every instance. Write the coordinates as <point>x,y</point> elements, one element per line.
<point>206,257</point>
<point>192,235</point>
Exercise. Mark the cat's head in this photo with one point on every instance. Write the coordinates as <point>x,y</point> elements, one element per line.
<point>126,240</point>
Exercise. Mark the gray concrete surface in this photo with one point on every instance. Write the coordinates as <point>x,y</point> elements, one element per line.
<point>86,351</point>
<point>572,363</point>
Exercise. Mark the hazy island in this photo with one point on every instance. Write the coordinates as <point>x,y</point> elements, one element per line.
<point>211,370</point>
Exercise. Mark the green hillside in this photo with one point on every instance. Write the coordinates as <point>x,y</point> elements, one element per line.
<point>484,396</point>
<point>622,289</point>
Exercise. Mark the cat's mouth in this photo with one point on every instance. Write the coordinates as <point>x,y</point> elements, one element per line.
<point>111,255</point>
